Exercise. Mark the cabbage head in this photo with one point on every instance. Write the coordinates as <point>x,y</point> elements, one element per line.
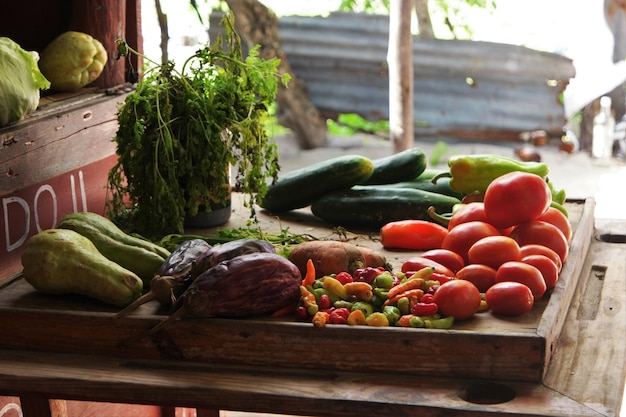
<point>20,81</point>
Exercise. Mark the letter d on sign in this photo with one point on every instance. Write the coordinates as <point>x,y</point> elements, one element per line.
<point>5,204</point>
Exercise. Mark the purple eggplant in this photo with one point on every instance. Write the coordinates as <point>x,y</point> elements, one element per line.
<point>174,275</point>
<point>229,250</point>
<point>247,285</point>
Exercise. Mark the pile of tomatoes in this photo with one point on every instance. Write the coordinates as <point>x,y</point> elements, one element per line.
<point>510,247</point>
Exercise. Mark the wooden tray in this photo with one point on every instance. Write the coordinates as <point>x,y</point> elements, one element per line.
<point>483,347</point>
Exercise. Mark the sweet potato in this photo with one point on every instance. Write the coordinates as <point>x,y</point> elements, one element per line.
<point>328,256</point>
<point>374,258</point>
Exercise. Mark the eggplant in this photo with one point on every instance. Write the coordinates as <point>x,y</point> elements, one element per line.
<point>174,275</point>
<point>247,285</point>
<point>229,250</point>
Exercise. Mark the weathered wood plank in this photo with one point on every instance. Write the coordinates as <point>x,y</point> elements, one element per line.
<point>589,361</point>
<point>500,349</point>
<point>274,390</point>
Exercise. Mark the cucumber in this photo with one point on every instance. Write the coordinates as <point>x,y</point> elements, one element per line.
<point>373,206</point>
<point>442,186</point>
<point>430,173</point>
<point>402,166</point>
<point>300,187</point>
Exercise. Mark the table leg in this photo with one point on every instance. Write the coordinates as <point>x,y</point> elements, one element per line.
<point>205,413</point>
<point>38,406</point>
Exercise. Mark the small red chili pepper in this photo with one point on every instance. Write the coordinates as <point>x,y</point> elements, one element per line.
<point>344,277</point>
<point>427,298</point>
<point>339,315</point>
<point>424,309</point>
<point>324,302</point>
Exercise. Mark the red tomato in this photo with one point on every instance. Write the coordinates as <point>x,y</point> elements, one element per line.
<point>509,298</point>
<point>523,273</point>
<point>493,251</point>
<point>412,234</point>
<point>416,263</point>
<point>534,249</point>
<point>547,267</point>
<point>470,212</point>
<point>457,298</point>
<point>542,233</point>
<point>556,217</point>
<point>464,235</point>
<point>515,198</point>
<point>482,276</point>
<point>445,257</point>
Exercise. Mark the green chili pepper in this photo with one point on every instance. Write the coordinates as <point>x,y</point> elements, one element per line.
<point>473,173</point>
<point>560,208</point>
<point>417,321</point>
<point>381,292</point>
<point>318,292</point>
<point>443,323</point>
<point>377,301</point>
<point>365,307</point>
<point>558,196</point>
<point>404,305</point>
<point>384,280</point>
<point>392,313</point>
<point>343,304</point>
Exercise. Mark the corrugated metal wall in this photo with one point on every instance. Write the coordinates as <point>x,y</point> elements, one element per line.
<point>462,88</point>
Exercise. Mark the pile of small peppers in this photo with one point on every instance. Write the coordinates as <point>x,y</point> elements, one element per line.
<point>372,297</point>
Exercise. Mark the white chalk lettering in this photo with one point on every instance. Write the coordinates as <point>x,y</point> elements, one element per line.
<point>50,190</point>
<point>5,204</point>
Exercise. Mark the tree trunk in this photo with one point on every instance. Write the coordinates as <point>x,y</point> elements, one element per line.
<point>615,15</point>
<point>424,23</point>
<point>258,25</point>
<point>400,63</point>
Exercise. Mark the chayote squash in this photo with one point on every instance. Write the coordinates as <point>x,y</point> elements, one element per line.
<point>142,257</point>
<point>20,81</point>
<point>61,261</point>
<point>72,60</point>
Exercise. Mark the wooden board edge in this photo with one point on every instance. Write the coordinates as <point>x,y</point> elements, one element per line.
<point>553,318</point>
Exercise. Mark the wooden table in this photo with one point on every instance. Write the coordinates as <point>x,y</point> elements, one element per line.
<point>583,376</point>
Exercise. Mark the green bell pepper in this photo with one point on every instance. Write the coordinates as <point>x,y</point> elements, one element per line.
<point>473,173</point>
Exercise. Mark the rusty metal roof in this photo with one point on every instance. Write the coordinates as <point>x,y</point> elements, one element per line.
<point>462,88</point>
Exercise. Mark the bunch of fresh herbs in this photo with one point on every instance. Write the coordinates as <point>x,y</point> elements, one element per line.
<point>181,132</point>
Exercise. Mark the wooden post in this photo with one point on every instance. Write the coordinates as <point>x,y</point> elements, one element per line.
<point>400,63</point>
<point>104,20</point>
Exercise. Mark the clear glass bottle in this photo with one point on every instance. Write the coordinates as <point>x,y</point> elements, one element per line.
<point>603,132</point>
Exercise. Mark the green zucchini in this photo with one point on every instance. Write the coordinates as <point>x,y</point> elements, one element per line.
<point>441,186</point>
<point>373,206</point>
<point>300,187</point>
<point>402,166</point>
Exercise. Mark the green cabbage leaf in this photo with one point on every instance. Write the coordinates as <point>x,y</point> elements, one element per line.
<point>20,81</point>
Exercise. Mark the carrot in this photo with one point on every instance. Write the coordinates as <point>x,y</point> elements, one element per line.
<point>309,277</point>
<point>328,256</point>
<point>410,284</point>
<point>416,292</point>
